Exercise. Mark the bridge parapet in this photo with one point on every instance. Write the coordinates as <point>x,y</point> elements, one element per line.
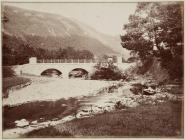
<point>34,60</point>
<point>66,61</point>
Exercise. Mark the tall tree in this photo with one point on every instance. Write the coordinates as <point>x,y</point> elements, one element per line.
<point>154,26</point>
<point>156,30</point>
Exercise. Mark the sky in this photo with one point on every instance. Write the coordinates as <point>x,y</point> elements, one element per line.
<point>107,18</point>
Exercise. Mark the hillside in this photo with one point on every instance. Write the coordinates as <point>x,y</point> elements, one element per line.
<point>50,31</point>
<point>111,41</point>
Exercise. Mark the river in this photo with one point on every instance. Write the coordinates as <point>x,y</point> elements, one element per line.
<point>52,89</point>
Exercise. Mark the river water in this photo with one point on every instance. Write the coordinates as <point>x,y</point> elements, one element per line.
<point>52,89</point>
<point>43,91</point>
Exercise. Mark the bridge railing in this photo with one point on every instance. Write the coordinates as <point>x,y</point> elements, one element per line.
<point>66,61</point>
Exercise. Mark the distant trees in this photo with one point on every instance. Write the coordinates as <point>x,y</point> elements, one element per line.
<point>61,53</point>
<point>71,53</point>
<point>156,30</point>
<point>15,51</point>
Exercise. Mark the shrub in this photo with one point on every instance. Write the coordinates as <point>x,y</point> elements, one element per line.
<point>146,65</point>
<point>110,72</point>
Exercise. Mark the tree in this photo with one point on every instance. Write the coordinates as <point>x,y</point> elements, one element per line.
<point>156,30</point>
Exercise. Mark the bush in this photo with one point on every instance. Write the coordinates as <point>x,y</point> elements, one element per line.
<point>146,66</point>
<point>7,72</point>
<point>9,82</point>
<point>111,72</point>
<point>174,66</point>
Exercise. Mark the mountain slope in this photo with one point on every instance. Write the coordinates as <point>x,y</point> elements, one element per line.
<point>112,42</point>
<point>50,31</point>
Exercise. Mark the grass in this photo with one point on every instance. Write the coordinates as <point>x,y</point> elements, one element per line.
<point>161,120</point>
<point>9,82</point>
<point>47,133</point>
<point>13,81</point>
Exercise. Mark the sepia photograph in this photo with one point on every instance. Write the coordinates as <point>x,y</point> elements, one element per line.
<point>92,69</point>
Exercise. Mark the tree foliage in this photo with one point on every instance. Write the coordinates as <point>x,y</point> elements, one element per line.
<point>107,71</point>
<point>156,30</point>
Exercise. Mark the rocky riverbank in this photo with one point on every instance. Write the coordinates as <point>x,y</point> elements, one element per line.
<point>110,97</point>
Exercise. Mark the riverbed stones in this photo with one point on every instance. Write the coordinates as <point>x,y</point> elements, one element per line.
<point>34,122</point>
<point>64,105</point>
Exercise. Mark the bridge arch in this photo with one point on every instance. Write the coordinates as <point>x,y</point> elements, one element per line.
<point>52,72</point>
<point>78,73</point>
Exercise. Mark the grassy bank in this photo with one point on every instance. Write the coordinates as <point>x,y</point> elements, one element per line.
<point>161,120</point>
<point>9,82</point>
<point>13,81</point>
<point>9,78</point>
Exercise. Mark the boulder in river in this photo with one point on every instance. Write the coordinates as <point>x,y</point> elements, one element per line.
<point>22,123</point>
<point>149,91</point>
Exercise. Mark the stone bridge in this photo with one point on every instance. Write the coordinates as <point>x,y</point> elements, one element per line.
<point>36,67</point>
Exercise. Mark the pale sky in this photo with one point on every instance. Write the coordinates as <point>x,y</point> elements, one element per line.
<point>107,18</point>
